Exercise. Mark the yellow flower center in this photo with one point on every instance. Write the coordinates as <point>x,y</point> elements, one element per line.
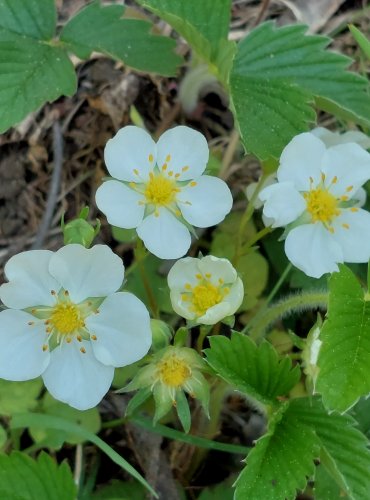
<point>173,371</point>
<point>321,205</point>
<point>204,295</point>
<point>66,318</point>
<point>160,190</point>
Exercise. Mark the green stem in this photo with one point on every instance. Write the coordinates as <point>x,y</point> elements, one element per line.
<point>245,219</point>
<point>294,303</point>
<point>203,332</point>
<point>258,236</point>
<point>140,254</point>
<point>279,283</point>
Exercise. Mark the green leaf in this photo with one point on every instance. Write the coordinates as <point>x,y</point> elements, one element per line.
<point>298,434</point>
<point>325,487</point>
<point>100,28</point>
<point>281,461</point>
<point>119,490</point>
<point>38,420</point>
<point>276,75</point>
<point>16,397</point>
<point>22,478</point>
<point>345,447</point>
<point>344,359</point>
<point>167,432</point>
<point>31,73</point>
<point>361,39</point>
<point>222,491</point>
<point>256,371</point>
<point>204,25</point>
<point>32,18</point>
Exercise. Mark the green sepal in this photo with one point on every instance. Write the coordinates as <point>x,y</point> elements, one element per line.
<point>137,400</point>
<point>183,410</point>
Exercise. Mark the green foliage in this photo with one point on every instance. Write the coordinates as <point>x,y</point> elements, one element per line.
<point>252,267</point>
<point>119,490</point>
<point>55,438</point>
<point>16,397</point>
<point>100,28</point>
<point>344,359</point>
<point>361,39</point>
<point>222,491</point>
<point>157,282</point>
<point>276,75</point>
<point>299,433</point>
<point>35,67</point>
<point>22,478</point>
<point>344,449</point>
<point>280,462</point>
<point>254,370</point>
<point>40,421</point>
<point>204,25</point>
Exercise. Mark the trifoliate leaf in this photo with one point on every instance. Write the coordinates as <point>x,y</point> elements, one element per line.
<point>281,461</point>
<point>204,25</point>
<point>277,73</point>
<point>256,371</point>
<point>344,359</point>
<point>102,29</point>
<point>27,479</point>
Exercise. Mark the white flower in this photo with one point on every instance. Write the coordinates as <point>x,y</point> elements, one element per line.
<point>205,290</point>
<point>159,188</point>
<point>67,323</point>
<point>316,197</point>
<point>330,138</point>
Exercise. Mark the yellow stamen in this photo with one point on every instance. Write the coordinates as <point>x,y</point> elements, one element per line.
<point>66,318</point>
<point>321,205</point>
<point>173,371</point>
<point>349,188</point>
<point>193,183</point>
<point>168,158</point>
<point>151,158</point>
<point>160,190</point>
<point>346,226</point>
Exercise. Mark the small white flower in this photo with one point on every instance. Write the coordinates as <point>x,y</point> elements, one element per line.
<point>316,197</point>
<point>159,188</point>
<point>67,323</point>
<point>205,290</point>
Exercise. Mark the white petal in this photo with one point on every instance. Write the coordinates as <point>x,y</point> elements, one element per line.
<point>87,272</point>
<point>249,192</point>
<point>120,204</point>
<point>215,314</point>
<point>129,150</point>
<point>350,163</point>
<point>218,269</point>
<point>283,203</point>
<point>360,195</point>
<point>312,249</point>
<point>179,306</point>
<point>182,272</point>
<point>187,148</point>
<point>122,328</point>
<point>354,240</point>
<point>300,160</point>
<point>164,236</point>
<point>210,201</point>
<point>333,138</point>
<point>77,378</point>
<point>235,296</point>
<point>21,354</point>
<point>30,280</point>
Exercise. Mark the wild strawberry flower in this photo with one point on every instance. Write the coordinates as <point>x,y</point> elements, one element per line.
<point>172,371</point>
<point>158,188</point>
<point>205,290</point>
<point>67,322</point>
<point>316,198</point>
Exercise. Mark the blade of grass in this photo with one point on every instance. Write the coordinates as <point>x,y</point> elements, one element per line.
<point>24,420</point>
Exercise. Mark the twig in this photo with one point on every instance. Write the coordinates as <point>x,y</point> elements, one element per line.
<point>261,14</point>
<point>54,186</point>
